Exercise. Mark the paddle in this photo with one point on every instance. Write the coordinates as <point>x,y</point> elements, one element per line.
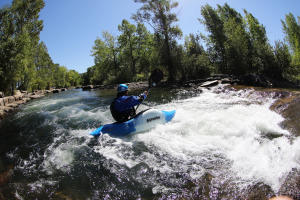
<point>148,91</point>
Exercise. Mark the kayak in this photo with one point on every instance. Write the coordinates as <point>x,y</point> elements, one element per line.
<point>144,121</point>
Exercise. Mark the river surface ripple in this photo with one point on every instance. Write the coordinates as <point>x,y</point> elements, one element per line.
<point>222,144</point>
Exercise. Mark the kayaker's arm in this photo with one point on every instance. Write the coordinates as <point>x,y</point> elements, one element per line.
<point>143,96</point>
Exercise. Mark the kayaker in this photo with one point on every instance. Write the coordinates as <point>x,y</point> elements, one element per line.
<point>122,107</point>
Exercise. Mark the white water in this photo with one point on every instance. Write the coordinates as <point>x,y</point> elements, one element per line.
<point>224,134</point>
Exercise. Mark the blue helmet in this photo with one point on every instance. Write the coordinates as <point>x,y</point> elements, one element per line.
<point>122,88</point>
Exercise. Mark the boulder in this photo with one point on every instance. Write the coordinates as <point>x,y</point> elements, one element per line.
<point>5,176</point>
<point>20,102</point>
<point>1,102</point>
<point>1,94</point>
<point>64,89</point>
<point>6,109</point>
<point>36,96</point>
<point>56,91</point>
<point>26,99</point>
<point>8,100</point>
<point>17,92</point>
<point>210,83</point>
<point>12,105</point>
<point>2,113</point>
<point>18,97</point>
<point>226,81</point>
<point>88,87</point>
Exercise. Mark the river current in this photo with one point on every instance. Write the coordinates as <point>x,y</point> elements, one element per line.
<point>222,144</point>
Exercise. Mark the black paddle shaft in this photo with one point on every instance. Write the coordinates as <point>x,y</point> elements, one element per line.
<point>148,90</point>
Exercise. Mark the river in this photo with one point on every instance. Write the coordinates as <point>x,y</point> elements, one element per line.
<point>222,144</point>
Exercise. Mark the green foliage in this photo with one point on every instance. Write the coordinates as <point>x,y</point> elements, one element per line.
<point>282,68</point>
<point>120,59</point>
<point>216,37</point>
<point>292,30</point>
<point>24,61</point>
<point>239,45</point>
<point>158,14</point>
<point>195,61</point>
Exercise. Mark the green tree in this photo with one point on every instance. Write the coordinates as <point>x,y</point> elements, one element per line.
<point>20,28</point>
<point>106,58</point>
<point>261,55</point>
<point>282,67</point>
<point>237,41</point>
<point>158,14</point>
<point>145,50</point>
<point>216,37</point>
<point>292,31</point>
<point>44,68</point>
<point>195,61</point>
<point>128,44</point>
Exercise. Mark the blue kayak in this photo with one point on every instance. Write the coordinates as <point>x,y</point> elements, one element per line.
<point>142,122</point>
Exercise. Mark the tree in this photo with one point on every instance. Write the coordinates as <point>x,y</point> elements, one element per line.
<point>282,68</point>
<point>292,31</point>
<point>128,44</point>
<point>261,55</point>
<point>237,41</point>
<point>216,38</point>
<point>158,14</point>
<point>106,54</point>
<point>20,28</point>
<point>145,50</point>
<point>195,62</point>
<point>43,67</point>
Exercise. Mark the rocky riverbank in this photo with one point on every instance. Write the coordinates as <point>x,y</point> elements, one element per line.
<point>8,104</point>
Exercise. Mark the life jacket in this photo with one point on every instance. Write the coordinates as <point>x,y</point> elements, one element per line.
<point>121,116</point>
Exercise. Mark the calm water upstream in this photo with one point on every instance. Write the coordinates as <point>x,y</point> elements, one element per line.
<point>220,145</point>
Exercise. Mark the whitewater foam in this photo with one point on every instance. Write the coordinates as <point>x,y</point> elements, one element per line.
<point>212,129</point>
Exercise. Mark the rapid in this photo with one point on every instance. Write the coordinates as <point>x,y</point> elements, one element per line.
<point>222,144</point>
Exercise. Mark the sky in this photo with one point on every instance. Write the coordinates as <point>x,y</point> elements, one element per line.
<point>72,26</point>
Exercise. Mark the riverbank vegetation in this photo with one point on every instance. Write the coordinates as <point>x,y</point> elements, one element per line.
<point>235,44</point>
<point>25,63</point>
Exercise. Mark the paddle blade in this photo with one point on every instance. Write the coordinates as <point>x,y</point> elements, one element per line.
<point>97,131</point>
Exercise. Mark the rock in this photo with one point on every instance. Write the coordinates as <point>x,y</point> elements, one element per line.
<point>281,198</point>
<point>8,100</point>
<point>6,109</point>
<point>26,99</point>
<point>56,91</point>
<point>64,89</point>
<point>36,96</point>
<point>12,105</point>
<point>1,94</point>
<point>289,107</point>
<point>2,114</point>
<point>4,177</point>
<point>226,81</point>
<point>17,92</point>
<point>18,97</point>
<point>88,87</point>
<point>2,102</point>
<point>210,83</point>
